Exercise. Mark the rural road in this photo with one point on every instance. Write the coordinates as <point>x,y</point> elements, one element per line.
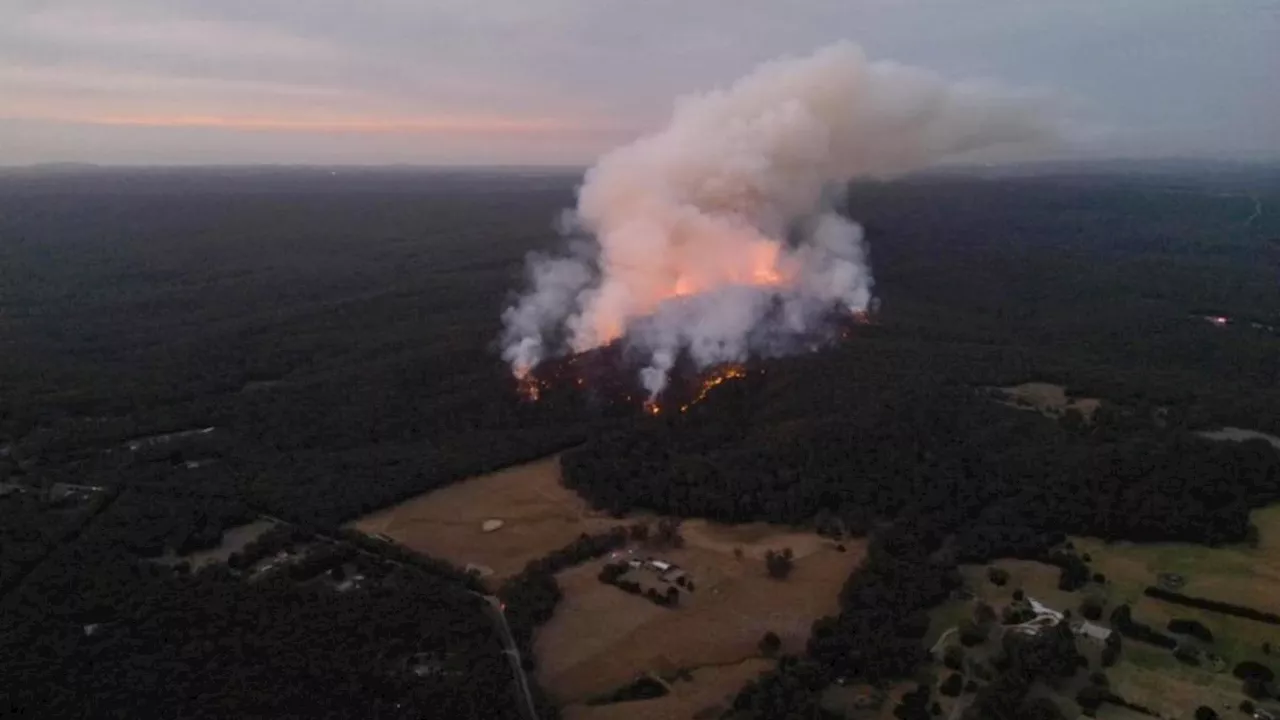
<point>512,652</point>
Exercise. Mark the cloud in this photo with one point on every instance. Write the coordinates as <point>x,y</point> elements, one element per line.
<point>1196,74</point>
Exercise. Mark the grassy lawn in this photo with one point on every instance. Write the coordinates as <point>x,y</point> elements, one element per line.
<point>1243,575</point>
<point>1148,675</point>
<point>1170,688</point>
<point>1038,580</point>
<point>946,616</point>
<point>1116,712</point>
<point>1237,574</point>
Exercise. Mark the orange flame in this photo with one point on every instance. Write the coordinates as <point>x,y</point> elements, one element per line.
<point>715,379</point>
<point>652,407</point>
<point>529,387</point>
<point>763,266</point>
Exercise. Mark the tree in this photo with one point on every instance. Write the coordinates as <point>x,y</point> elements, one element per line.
<point>1091,607</point>
<point>953,657</point>
<point>983,614</point>
<point>952,686</point>
<point>1121,617</point>
<point>1256,689</point>
<point>1194,628</point>
<point>1073,421</point>
<point>997,576</point>
<point>770,644</point>
<point>779,564</point>
<point>1204,712</point>
<point>1250,670</point>
<point>1111,650</point>
<point>1074,573</point>
<point>972,633</point>
<point>1041,709</point>
<point>668,533</point>
<point>1090,697</point>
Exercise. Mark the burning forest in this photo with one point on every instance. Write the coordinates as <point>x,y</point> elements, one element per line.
<point>608,376</point>
<point>719,238</point>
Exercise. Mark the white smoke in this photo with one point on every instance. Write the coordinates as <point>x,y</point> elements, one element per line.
<point>691,224</point>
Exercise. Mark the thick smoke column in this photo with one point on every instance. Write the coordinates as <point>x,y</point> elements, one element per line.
<point>714,236</point>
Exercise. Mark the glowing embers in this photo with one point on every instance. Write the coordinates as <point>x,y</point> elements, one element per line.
<point>586,372</point>
<point>717,377</point>
<point>529,387</point>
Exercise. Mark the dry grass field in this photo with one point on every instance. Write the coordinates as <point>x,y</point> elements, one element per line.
<point>601,637</point>
<point>538,514</point>
<point>711,690</point>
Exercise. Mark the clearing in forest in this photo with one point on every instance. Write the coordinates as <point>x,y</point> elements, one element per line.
<point>1151,676</point>
<point>1237,574</point>
<point>1050,399</point>
<point>233,541</point>
<point>538,515</point>
<point>602,638</point>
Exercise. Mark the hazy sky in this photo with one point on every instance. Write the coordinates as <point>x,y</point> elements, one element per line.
<point>556,81</point>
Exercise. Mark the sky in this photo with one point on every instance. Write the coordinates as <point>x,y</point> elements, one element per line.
<point>536,82</point>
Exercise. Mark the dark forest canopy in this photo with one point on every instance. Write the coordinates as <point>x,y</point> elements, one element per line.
<point>336,333</point>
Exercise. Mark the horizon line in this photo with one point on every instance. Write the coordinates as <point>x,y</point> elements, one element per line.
<point>71,165</point>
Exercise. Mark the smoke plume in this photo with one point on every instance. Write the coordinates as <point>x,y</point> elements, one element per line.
<point>715,236</point>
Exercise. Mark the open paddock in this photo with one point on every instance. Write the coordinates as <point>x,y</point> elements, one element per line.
<point>601,637</point>
<point>538,515</point>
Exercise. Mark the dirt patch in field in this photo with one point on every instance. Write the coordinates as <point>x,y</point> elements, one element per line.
<point>601,637</point>
<point>711,687</point>
<point>538,515</point>
<point>1050,399</point>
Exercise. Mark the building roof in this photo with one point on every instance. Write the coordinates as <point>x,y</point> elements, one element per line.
<point>1042,609</point>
